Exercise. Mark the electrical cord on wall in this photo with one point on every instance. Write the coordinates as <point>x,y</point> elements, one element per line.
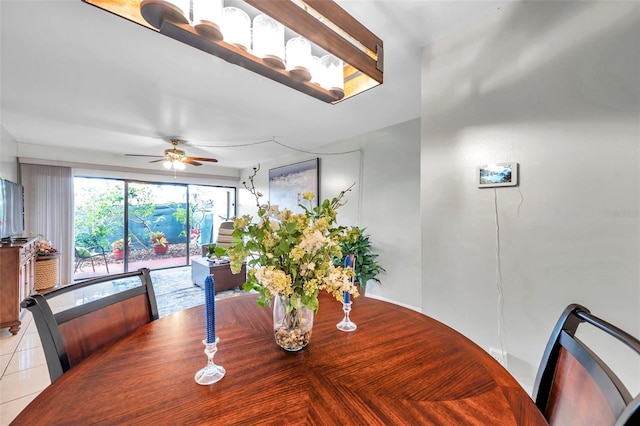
<point>521,200</point>
<point>274,140</point>
<point>499,289</point>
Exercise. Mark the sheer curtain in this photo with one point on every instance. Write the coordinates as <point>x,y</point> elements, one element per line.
<point>48,208</point>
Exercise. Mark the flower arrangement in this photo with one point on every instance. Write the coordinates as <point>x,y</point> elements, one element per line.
<point>158,239</point>
<point>119,244</point>
<point>291,255</point>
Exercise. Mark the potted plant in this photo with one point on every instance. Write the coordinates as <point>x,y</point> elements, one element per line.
<point>215,252</point>
<point>118,248</point>
<point>159,242</point>
<point>366,265</point>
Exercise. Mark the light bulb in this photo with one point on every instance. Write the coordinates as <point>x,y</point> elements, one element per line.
<point>268,40</point>
<point>316,70</point>
<point>179,165</point>
<point>299,62</point>
<point>167,164</point>
<point>236,27</point>
<point>333,75</point>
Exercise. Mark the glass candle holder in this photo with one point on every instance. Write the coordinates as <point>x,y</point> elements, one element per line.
<point>210,373</point>
<point>346,324</point>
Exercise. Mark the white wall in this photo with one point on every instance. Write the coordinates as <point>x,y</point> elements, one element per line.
<point>385,168</point>
<point>8,156</point>
<point>554,86</point>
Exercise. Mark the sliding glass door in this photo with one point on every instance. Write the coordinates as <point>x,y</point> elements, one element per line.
<point>156,228</point>
<point>124,225</point>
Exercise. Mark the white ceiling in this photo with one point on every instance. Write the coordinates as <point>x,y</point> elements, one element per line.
<point>74,76</point>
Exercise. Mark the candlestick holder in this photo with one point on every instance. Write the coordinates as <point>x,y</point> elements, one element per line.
<point>211,373</point>
<point>346,324</point>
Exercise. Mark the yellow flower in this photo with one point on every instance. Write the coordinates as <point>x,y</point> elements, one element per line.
<point>242,222</point>
<point>296,253</point>
<point>308,196</point>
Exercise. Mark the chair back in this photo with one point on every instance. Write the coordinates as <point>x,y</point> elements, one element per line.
<point>225,239</point>
<point>574,385</point>
<point>75,320</point>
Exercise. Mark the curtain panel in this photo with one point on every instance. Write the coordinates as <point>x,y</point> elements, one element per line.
<point>49,210</point>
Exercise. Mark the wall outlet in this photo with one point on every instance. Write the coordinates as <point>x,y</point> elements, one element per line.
<point>499,355</point>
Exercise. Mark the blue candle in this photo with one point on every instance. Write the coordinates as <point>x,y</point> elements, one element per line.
<point>346,295</point>
<point>210,308</point>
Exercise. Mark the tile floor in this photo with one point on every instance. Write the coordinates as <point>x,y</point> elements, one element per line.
<point>23,369</point>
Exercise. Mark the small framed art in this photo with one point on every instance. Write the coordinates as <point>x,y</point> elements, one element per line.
<point>500,174</point>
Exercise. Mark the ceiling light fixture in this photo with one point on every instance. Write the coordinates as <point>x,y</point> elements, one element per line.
<point>174,158</point>
<point>173,164</point>
<point>349,57</point>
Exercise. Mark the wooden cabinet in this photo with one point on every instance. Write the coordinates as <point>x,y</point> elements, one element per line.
<point>17,280</point>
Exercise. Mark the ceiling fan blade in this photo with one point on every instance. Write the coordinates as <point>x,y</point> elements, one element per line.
<point>143,155</point>
<point>175,154</point>
<point>212,160</point>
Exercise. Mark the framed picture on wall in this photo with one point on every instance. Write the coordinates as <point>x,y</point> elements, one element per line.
<point>500,174</point>
<point>288,183</point>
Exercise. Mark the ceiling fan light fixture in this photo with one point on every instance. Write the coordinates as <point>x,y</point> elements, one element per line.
<point>175,158</point>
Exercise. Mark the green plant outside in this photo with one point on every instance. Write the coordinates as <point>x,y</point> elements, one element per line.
<point>98,217</point>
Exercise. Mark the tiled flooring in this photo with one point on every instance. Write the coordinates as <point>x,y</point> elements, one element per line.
<point>23,369</point>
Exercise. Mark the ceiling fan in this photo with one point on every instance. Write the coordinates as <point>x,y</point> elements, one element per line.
<point>176,158</point>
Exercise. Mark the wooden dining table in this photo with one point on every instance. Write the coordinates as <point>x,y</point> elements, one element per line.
<point>399,367</point>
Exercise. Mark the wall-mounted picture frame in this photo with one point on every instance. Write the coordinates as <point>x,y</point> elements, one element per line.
<point>499,174</point>
<point>288,183</point>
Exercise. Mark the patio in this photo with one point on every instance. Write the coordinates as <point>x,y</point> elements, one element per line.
<point>140,258</point>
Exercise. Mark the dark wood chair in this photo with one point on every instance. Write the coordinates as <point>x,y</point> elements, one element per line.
<point>75,320</point>
<point>574,386</point>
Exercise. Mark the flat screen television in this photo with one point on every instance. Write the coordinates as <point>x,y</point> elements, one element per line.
<point>11,209</point>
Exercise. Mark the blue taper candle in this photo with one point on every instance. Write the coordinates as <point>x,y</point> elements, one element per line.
<point>346,295</point>
<point>210,308</point>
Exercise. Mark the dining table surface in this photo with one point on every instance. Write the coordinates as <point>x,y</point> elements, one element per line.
<point>399,367</point>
